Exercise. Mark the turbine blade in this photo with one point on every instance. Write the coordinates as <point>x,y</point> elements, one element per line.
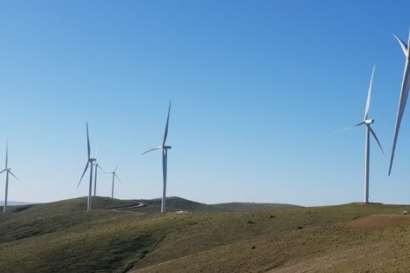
<point>96,152</point>
<point>153,149</point>
<point>98,166</point>
<point>402,44</point>
<point>408,39</point>
<point>16,178</point>
<point>116,168</point>
<point>402,105</point>
<point>7,151</point>
<point>396,131</point>
<point>78,170</point>
<point>3,171</point>
<point>166,126</point>
<point>85,169</point>
<point>377,140</point>
<point>88,143</point>
<point>347,128</point>
<point>369,94</point>
<point>119,180</point>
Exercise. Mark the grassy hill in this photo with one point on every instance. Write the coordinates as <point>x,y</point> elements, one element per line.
<point>14,203</point>
<point>236,206</point>
<point>180,204</point>
<point>63,237</point>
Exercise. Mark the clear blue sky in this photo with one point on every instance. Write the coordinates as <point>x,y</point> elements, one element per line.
<point>256,87</point>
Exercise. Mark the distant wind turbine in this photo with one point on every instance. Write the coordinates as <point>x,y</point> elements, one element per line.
<point>90,162</point>
<point>114,175</point>
<point>97,166</point>
<point>164,149</point>
<point>8,171</point>
<point>369,131</point>
<point>403,95</point>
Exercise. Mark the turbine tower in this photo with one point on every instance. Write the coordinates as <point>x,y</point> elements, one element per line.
<point>403,95</point>
<point>114,175</point>
<point>8,171</point>
<point>164,149</point>
<point>96,171</point>
<point>90,162</point>
<point>369,131</point>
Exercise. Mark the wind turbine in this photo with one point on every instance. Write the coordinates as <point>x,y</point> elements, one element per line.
<point>369,131</point>
<point>164,149</point>
<point>96,171</point>
<point>8,171</point>
<point>403,95</point>
<point>90,162</point>
<point>114,175</point>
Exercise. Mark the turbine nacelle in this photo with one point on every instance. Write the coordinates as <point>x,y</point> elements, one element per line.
<point>166,147</point>
<point>368,121</point>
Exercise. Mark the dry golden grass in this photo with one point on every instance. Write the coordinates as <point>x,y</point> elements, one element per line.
<point>61,238</point>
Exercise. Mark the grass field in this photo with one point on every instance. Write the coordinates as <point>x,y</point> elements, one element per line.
<point>63,237</point>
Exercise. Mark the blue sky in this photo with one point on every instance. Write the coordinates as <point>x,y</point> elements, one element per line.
<point>256,88</point>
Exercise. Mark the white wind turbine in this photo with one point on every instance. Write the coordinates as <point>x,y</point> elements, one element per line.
<point>96,171</point>
<point>8,171</point>
<point>403,95</point>
<point>90,162</point>
<point>164,149</point>
<point>369,131</point>
<point>114,175</point>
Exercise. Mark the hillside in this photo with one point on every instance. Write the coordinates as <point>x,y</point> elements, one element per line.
<point>180,204</point>
<point>14,203</point>
<point>152,205</point>
<point>237,206</point>
<point>62,237</point>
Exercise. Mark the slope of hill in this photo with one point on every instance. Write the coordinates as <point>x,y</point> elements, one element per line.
<point>63,237</point>
<point>14,203</point>
<point>237,206</point>
<point>180,204</point>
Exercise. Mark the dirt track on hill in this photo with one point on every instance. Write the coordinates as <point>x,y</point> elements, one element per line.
<point>131,208</point>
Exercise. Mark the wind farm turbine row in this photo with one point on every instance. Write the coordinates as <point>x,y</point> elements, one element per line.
<point>92,162</point>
